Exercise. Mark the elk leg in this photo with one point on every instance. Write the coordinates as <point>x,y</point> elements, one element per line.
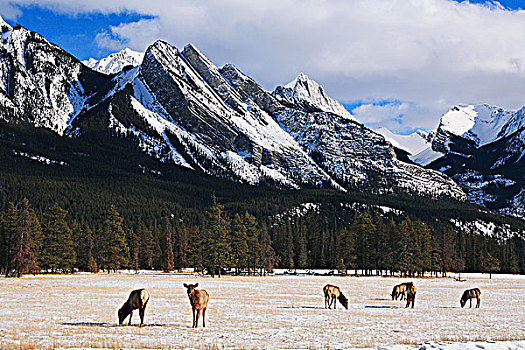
<point>477,306</point>
<point>204,317</point>
<point>193,319</point>
<point>335,303</point>
<point>470,302</point>
<point>130,314</point>
<point>197,320</point>
<point>141,313</point>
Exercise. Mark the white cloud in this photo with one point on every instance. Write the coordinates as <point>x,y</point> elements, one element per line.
<point>432,53</point>
<point>131,35</point>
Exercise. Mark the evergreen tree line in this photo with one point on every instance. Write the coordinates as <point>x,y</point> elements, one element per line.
<point>238,243</point>
<point>372,244</point>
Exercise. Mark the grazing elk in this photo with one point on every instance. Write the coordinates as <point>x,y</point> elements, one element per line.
<point>470,294</point>
<point>199,301</point>
<point>331,293</point>
<point>400,290</point>
<point>411,295</point>
<point>138,299</point>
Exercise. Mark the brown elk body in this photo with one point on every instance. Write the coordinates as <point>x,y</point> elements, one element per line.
<point>199,301</point>
<point>470,294</point>
<point>400,290</point>
<point>411,295</point>
<point>138,299</point>
<point>331,293</point>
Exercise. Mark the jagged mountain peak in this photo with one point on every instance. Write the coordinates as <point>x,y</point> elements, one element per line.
<point>115,62</point>
<point>303,78</point>
<point>311,95</point>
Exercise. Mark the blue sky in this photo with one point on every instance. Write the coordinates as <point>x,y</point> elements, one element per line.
<point>394,63</point>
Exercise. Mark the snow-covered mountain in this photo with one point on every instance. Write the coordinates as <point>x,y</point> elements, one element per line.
<point>482,147</point>
<point>115,62</point>
<point>481,124</point>
<point>42,84</point>
<point>182,109</point>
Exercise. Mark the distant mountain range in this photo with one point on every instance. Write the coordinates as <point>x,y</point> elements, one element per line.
<point>482,147</point>
<point>180,108</point>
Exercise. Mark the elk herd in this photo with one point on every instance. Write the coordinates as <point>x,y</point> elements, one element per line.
<point>138,299</point>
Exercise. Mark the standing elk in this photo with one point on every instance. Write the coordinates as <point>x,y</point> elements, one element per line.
<point>199,301</point>
<point>138,299</point>
<point>331,293</point>
<point>400,290</point>
<point>470,294</point>
<point>411,295</point>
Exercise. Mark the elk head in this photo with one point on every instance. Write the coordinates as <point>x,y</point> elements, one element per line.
<point>190,289</point>
<point>123,312</point>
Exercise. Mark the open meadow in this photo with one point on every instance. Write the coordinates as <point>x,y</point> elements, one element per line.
<point>55,311</point>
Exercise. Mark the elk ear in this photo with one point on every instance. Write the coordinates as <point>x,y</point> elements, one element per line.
<point>196,285</point>
<point>185,285</point>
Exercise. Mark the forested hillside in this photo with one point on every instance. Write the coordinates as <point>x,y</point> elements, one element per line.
<point>89,196</point>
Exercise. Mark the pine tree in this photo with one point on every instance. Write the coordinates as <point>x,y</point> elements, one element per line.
<point>448,248</point>
<point>348,253</point>
<point>289,251</point>
<point>57,253</point>
<point>267,257</point>
<point>27,232</point>
<point>195,248</point>
<point>341,267</point>
<point>383,246</point>
<point>181,246</point>
<point>9,224</point>
<point>239,243</point>
<point>113,250</point>
<point>252,239</point>
<point>146,247</point>
<point>134,245</point>
<point>167,245</point>
<point>364,229</point>
<point>403,249</point>
<point>217,244</point>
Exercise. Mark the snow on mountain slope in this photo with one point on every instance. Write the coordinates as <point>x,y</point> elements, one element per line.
<point>308,93</point>
<point>481,124</point>
<point>116,61</point>
<point>413,143</point>
<point>42,84</point>
<point>353,155</point>
<point>210,125</point>
<point>482,147</point>
<point>222,122</point>
<point>180,108</point>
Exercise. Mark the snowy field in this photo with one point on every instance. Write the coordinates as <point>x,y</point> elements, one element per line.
<point>80,311</point>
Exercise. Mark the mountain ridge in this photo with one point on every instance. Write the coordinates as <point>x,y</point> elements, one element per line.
<point>482,147</point>
<point>181,108</point>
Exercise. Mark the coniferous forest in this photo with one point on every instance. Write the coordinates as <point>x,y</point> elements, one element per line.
<point>112,207</point>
